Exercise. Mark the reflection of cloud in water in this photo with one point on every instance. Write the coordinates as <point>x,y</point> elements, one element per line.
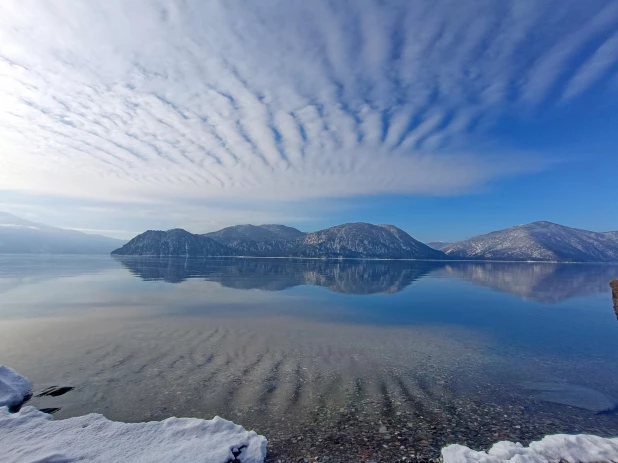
<point>262,369</point>
<point>541,282</point>
<point>342,276</point>
<point>19,270</point>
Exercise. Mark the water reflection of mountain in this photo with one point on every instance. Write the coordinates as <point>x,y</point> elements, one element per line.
<point>344,276</point>
<point>541,282</point>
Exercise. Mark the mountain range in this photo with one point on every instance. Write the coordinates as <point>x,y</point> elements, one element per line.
<point>352,240</point>
<point>20,236</point>
<point>537,241</point>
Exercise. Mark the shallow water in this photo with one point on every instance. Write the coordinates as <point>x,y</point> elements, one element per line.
<point>367,360</point>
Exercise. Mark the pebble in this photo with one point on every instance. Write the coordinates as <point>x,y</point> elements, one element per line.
<point>336,438</point>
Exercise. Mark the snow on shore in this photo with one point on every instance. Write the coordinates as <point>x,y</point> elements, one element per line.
<point>32,436</point>
<point>14,388</point>
<point>581,448</point>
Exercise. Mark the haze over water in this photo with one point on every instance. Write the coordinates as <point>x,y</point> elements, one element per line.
<point>386,356</point>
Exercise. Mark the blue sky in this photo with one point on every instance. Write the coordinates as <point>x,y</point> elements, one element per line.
<point>446,118</point>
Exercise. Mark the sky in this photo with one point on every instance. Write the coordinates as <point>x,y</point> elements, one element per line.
<point>445,118</point>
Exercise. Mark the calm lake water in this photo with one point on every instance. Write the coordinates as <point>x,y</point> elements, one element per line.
<point>366,360</point>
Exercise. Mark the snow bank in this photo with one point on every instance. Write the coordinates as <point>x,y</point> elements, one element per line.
<point>556,448</point>
<point>31,436</point>
<point>14,388</point>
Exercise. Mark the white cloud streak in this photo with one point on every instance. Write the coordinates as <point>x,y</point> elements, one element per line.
<point>278,100</point>
<point>595,67</point>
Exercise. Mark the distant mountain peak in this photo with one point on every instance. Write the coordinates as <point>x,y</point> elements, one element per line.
<point>538,241</point>
<point>274,225</point>
<point>283,231</point>
<point>254,233</point>
<point>545,224</point>
<point>7,218</point>
<point>174,242</point>
<point>178,230</point>
<point>21,236</point>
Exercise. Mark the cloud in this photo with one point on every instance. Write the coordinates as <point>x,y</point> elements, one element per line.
<point>145,101</point>
<point>595,67</point>
<point>561,58</point>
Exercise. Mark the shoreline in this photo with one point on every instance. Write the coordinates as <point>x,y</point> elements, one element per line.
<point>354,433</point>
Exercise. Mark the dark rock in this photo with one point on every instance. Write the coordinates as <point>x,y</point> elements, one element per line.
<point>49,411</point>
<point>614,286</point>
<point>236,451</point>
<point>55,391</point>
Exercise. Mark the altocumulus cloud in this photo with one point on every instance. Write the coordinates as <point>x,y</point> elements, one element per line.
<point>281,99</point>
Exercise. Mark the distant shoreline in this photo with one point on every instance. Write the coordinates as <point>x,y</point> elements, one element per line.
<point>118,256</point>
<point>115,256</point>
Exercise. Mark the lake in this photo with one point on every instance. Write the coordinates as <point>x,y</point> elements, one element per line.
<point>350,360</point>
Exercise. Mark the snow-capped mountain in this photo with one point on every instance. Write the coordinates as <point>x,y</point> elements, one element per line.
<point>20,236</point>
<point>611,234</point>
<point>364,240</point>
<point>360,240</point>
<point>539,241</point>
<point>176,242</point>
